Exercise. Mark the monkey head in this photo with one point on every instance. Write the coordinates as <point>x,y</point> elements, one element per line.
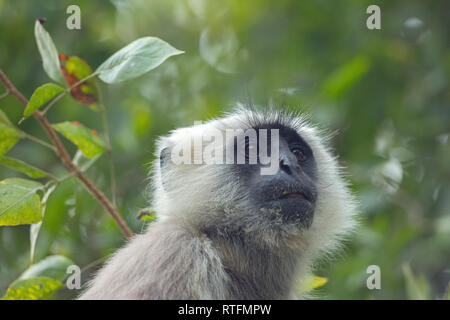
<point>210,176</point>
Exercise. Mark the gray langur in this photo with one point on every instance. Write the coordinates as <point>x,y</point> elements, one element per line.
<point>225,230</point>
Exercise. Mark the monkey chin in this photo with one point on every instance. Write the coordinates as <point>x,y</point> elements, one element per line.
<point>290,211</point>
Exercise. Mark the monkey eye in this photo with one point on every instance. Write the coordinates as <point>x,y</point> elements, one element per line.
<point>299,154</point>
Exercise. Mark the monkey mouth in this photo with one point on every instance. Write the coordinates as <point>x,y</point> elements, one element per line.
<point>295,195</point>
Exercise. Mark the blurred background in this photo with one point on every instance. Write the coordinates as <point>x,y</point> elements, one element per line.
<point>386,92</point>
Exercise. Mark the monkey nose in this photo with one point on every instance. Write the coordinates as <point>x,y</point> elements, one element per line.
<point>288,165</point>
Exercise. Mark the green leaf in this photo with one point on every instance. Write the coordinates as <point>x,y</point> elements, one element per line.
<point>85,139</point>
<point>36,227</point>
<point>21,166</point>
<point>53,267</point>
<point>79,69</point>
<point>312,282</point>
<point>146,215</point>
<point>48,52</point>
<point>74,70</point>
<point>19,202</point>
<point>38,288</point>
<point>138,57</point>
<point>417,287</point>
<point>346,76</point>
<point>316,282</point>
<point>9,134</point>
<point>41,96</point>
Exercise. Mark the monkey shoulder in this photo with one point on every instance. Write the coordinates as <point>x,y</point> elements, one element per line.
<point>166,262</point>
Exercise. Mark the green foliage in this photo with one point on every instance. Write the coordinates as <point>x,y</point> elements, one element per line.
<point>9,134</point>
<point>345,76</point>
<point>20,203</point>
<point>24,167</point>
<point>417,287</point>
<point>48,52</point>
<point>312,282</point>
<point>74,70</point>
<point>53,267</point>
<point>41,96</point>
<point>36,227</point>
<point>135,59</point>
<point>85,139</point>
<point>80,69</point>
<point>39,288</point>
<point>147,215</point>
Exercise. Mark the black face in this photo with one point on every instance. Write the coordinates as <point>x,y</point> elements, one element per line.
<point>288,196</point>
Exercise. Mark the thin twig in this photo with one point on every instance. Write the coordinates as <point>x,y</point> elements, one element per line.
<point>5,94</point>
<point>83,168</point>
<point>41,142</point>
<point>66,160</point>
<point>94,264</point>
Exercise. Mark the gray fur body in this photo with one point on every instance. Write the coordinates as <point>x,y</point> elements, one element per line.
<point>211,243</point>
<point>194,268</point>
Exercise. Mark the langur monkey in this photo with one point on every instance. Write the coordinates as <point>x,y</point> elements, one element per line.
<point>227,231</point>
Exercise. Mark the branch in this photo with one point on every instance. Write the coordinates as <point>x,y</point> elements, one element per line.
<point>62,153</point>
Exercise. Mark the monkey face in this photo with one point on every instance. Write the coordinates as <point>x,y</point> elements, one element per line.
<point>305,200</point>
<point>281,198</point>
<point>288,196</point>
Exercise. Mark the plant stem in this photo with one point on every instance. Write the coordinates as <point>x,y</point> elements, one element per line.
<point>83,168</point>
<point>66,160</point>
<point>42,142</point>
<point>5,94</point>
<point>62,94</point>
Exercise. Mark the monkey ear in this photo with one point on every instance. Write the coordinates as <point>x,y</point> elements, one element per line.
<point>164,163</point>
